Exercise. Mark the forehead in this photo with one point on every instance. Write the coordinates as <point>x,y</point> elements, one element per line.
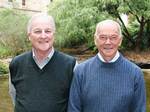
<point>108,28</point>
<point>40,22</point>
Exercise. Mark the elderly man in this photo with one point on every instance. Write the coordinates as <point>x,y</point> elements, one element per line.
<point>107,82</point>
<point>40,79</point>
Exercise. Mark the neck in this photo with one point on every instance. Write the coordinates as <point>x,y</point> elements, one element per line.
<point>107,59</point>
<point>41,55</point>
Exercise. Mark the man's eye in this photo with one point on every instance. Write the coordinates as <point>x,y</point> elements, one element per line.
<point>114,37</point>
<point>48,31</point>
<point>38,31</point>
<point>102,37</point>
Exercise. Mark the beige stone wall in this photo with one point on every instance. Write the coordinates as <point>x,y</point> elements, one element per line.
<point>5,3</point>
<point>37,5</point>
<point>40,5</point>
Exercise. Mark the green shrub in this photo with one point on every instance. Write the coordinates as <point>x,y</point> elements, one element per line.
<point>3,68</point>
<point>13,38</point>
<point>75,21</point>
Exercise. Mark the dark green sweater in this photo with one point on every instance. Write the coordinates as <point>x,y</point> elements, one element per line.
<point>42,90</point>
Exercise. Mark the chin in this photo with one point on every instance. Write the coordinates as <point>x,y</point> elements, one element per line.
<point>44,49</point>
<point>109,54</point>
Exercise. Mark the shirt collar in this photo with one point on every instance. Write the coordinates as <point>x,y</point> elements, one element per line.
<point>47,58</point>
<point>111,61</point>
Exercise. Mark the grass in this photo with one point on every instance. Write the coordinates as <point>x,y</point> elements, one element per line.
<point>4,52</point>
<point>3,68</point>
<point>6,104</point>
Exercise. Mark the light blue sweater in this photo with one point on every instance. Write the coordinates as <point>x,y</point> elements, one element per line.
<point>107,87</point>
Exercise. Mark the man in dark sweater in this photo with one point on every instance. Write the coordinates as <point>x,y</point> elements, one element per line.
<point>107,82</point>
<point>40,79</point>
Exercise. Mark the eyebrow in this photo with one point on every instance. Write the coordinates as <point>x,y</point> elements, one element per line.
<point>108,35</point>
<point>42,29</point>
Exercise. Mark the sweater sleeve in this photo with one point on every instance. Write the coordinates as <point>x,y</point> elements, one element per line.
<point>75,93</point>
<point>139,98</point>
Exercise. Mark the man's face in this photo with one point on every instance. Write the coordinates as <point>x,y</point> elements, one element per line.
<point>108,40</point>
<point>41,34</point>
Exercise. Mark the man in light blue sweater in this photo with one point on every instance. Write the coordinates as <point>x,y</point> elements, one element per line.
<point>107,82</point>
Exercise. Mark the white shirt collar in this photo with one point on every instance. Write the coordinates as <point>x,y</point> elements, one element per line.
<point>49,55</point>
<point>111,61</point>
<point>45,61</point>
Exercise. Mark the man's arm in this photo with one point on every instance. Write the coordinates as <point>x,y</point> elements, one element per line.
<point>139,99</point>
<point>12,91</point>
<point>75,94</point>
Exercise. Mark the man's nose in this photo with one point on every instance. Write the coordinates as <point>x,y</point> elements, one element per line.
<point>43,34</point>
<point>108,41</point>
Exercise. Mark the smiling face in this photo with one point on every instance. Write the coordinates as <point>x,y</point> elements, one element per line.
<point>108,39</point>
<point>41,34</point>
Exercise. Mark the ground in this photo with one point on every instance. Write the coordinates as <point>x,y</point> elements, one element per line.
<point>83,53</point>
<point>143,57</point>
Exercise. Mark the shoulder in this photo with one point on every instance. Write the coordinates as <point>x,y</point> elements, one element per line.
<point>135,72</point>
<point>130,64</point>
<point>64,56</point>
<point>132,67</point>
<point>64,59</point>
<point>18,61</point>
<point>83,69</point>
<point>87,64</point>
<point>20,58</point>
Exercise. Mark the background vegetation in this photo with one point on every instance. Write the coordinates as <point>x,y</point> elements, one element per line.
<point>3,68</point>
<point>13,38</point>
<point>76,21</point>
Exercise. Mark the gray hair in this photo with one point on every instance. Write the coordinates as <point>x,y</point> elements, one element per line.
<point>100,24</point>
<point>41,15</point>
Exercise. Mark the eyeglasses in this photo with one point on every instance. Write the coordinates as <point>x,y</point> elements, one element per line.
<point>112,38</point>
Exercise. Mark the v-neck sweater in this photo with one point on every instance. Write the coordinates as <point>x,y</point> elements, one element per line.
<point>42,90</point>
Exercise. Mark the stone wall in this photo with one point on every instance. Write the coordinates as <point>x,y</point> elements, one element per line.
<point>31,6</point>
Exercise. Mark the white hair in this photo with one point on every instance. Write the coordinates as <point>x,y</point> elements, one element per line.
<point>40,15</point>
<point>100,24</point>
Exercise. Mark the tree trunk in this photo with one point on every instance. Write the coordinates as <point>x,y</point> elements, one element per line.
<point>139,39</point>
<point>126,33</point>
<point>147,31</point>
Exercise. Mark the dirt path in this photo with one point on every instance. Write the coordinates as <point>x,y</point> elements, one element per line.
<point>141,57</point>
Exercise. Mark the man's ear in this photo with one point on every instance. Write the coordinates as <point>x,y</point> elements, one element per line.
<point>28,35</point>
<point>95,41</point>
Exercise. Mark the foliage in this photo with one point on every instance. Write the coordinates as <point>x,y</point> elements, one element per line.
<point>140,13</point>
<point>75,21</point>
<point>12,32</point>
<point>3,68</point>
